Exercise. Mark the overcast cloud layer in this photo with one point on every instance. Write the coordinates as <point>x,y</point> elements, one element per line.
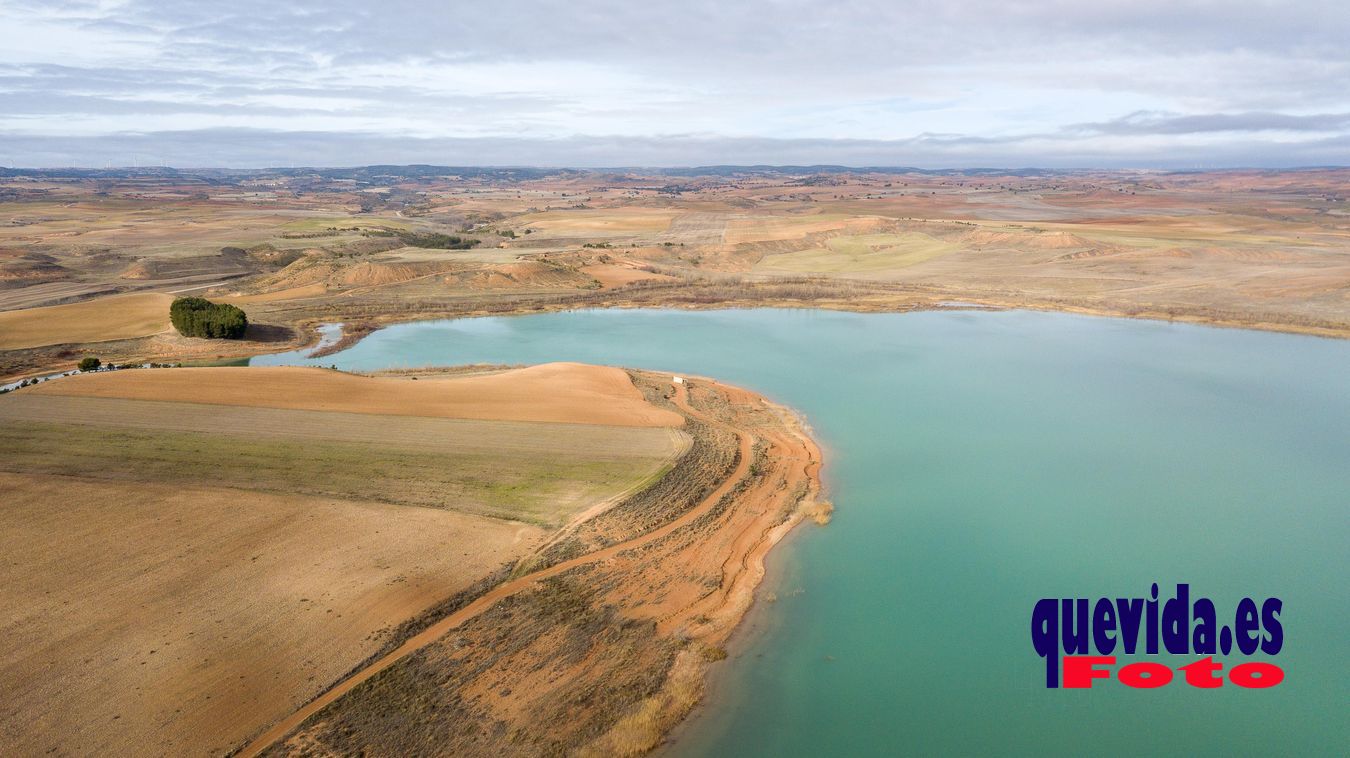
<point>1058,83</point>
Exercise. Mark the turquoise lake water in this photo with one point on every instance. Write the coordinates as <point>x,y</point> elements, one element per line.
<point>980,461</point>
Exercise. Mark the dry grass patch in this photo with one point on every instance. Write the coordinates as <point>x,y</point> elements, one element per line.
<point>777,228</point>
<point>869,254</point>
<point>545,488</point>
<point>524,471</point>
<point>117,317</point>
<point>595,222</point>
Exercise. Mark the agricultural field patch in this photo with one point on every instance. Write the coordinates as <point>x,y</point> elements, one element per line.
<point>206,612</point>
<point>861,254</point>
<point>223,563</point>
<point>522,471</point>
<point>772,228</point>
<point>553,392</point>
<point>598,223</point>
<point>108,318</point>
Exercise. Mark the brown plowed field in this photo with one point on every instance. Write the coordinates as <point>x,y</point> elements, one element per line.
<point>178,575</point>
<point>148,619</point>
<point>555,392</point>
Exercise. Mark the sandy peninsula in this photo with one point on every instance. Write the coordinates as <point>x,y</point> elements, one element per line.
<point>304,561</point>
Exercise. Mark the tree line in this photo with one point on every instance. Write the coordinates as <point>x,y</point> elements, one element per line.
<point>199,317</point>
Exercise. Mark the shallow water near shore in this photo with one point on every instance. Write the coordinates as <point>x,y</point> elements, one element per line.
<point>980,461</point>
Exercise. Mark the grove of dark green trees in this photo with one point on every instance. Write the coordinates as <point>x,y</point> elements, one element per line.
<point>199,317</point>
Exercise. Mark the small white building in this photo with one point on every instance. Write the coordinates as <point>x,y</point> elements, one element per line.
<point>677,379</point>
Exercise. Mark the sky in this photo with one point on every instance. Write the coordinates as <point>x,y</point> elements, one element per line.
<point>590,83</point>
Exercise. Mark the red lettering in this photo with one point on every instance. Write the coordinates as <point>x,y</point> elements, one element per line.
<point>1079,671</point>
<point>1201,673</point>
<point>1256,674</point>
<point>1145,674</point>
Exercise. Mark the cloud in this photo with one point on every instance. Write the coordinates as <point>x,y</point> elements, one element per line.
<point>1045,82</point>
<point>1143,122</point>
<point>250,148</point>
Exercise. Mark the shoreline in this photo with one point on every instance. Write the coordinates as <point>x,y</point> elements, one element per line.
<point>653,580</point>
<point>310,328</point>
<point>309,337</point>
<point>740,631</point>
<point>755,625</point>
<point>324,338</point>
<point>347,341</point>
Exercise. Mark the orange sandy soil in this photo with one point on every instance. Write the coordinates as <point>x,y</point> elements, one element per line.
<point>612,275</point>
<point>554,392</point>
<point>597,654</point>
<point>294,293</point>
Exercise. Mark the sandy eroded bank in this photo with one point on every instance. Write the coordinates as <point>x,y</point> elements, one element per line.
<point>599,644</point>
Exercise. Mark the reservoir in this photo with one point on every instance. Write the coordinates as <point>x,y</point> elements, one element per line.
<point>981,461</point>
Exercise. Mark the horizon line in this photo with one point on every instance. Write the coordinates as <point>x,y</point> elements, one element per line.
<point>640,167</point>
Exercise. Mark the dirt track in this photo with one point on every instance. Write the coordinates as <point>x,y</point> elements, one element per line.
<point>654,580</point>
<point>508,589</point>
<point>215,602</point>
